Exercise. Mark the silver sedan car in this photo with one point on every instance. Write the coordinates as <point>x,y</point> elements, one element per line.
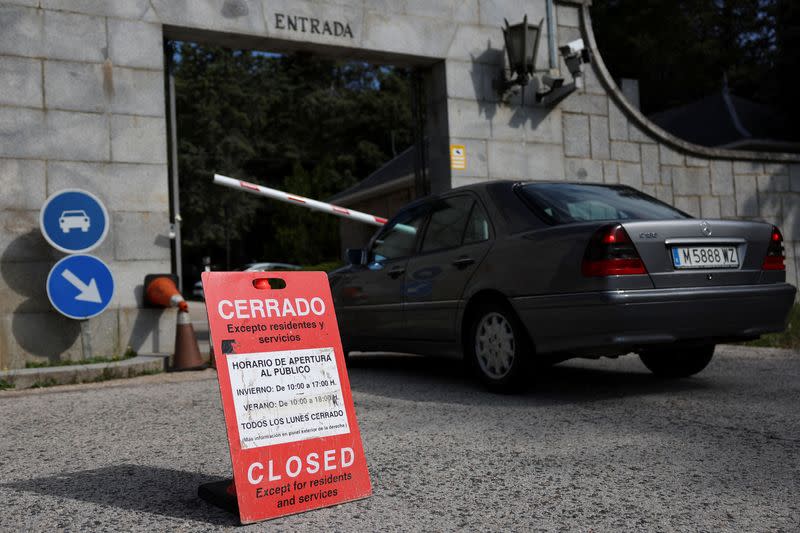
<point>509,275</point>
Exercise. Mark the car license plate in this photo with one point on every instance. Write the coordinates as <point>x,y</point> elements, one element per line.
<point>705,257</point>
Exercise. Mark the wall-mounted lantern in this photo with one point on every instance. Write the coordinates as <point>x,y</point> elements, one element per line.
<point>522,46</point>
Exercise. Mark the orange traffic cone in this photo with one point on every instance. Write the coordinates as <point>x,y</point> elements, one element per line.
<point>161,291</point>
<point>187,352</point>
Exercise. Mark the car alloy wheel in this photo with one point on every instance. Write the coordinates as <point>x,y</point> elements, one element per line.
<point>495,345</point>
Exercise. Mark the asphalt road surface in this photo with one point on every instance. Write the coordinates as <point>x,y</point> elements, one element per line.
<point>597,445</point>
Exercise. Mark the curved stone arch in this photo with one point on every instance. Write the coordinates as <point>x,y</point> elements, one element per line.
<point>705,182</point>
<point>649,127</point>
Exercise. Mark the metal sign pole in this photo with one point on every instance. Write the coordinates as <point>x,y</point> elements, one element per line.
<point>86,340</point>
<point>176,204</point>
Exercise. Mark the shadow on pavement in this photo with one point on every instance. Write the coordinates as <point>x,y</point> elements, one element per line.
<point>418,378</point>
<point>149,489</point>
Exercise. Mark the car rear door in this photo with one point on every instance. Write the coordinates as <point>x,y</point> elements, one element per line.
<point>457,237</point>
<point>370,297</point>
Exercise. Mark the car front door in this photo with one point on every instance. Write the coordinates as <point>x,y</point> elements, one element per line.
<point>457,238</point>
<point>370,296</point>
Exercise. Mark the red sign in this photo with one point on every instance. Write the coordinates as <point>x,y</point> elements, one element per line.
<point>292,429</point>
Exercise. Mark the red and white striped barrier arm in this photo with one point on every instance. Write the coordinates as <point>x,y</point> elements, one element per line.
<point>294,199</point>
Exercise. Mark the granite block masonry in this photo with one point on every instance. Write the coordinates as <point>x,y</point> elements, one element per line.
<point>82,104</point>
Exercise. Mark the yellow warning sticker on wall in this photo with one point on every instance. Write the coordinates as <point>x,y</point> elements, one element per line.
<point>458,157</point>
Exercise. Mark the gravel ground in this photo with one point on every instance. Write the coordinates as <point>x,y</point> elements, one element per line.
<point>597,445</point>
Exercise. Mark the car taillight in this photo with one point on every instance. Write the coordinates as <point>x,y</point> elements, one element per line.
<point>775,258</point>
<point>611,253</point>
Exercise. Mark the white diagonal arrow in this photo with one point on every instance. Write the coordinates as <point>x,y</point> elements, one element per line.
<point>89,293</point>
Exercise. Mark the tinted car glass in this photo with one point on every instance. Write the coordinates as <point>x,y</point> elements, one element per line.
<point>398,238</point>
<point>478,225</point>
<point>514,211</point>
<point>561,203</point>
<point>448,220</point>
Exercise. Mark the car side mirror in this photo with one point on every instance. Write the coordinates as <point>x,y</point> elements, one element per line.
<point>356,256</point>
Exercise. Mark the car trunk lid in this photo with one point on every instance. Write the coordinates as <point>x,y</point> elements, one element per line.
<point>665,247</point>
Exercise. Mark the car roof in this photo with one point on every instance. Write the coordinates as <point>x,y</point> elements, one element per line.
<point>483,185</point>
<point>511,222</point>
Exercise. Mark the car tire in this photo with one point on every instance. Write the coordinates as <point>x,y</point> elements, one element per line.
<point>498,348</point>
<point>677,361</point>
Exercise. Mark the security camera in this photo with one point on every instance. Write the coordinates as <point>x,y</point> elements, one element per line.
<point>575,53</point>
<point>572,49</point>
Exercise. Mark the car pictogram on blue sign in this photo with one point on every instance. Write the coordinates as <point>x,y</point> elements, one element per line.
<point>74,221</point>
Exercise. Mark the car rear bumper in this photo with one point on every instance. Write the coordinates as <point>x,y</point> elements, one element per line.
<point>626,320</point>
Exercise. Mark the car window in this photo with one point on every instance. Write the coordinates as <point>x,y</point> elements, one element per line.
<point>478,226</point>
<point>593,210</point>
<point>448,220</point>
<point>397,239</point>
<point>562,203</point>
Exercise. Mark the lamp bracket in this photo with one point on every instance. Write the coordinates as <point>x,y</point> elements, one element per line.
<point>554,95</point>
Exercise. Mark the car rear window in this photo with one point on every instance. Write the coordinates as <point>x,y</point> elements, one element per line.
<point>562,203</point>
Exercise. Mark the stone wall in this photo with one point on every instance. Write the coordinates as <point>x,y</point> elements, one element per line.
<point>705,182</point>
<point>595,135</point>
<point>82,105</point>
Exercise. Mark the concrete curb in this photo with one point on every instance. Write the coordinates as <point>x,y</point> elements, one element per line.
<point>26,378</point>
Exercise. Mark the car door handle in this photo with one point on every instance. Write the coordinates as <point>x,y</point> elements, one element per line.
<point>463,262</point>
<point>396,272</point>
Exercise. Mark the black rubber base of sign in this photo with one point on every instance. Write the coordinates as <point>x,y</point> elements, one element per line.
<point>216,493</point>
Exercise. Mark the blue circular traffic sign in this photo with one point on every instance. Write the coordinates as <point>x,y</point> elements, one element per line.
<point>73,221</point>
<point>80,286</point>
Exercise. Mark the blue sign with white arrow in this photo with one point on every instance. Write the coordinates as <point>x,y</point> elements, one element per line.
<point>80,286</point>
<point>74,221</point>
